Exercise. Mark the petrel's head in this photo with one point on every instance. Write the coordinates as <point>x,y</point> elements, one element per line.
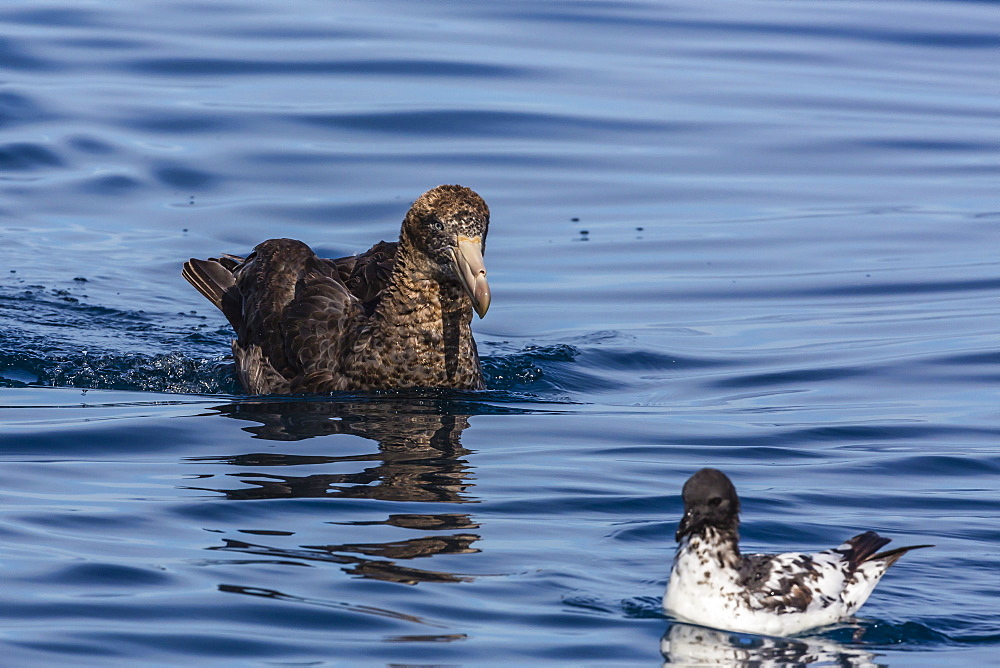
<point>449,225</point>
<point>710,500</point>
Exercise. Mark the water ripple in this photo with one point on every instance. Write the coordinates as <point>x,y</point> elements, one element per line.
<point>211,67</point>
<point>487,123</point>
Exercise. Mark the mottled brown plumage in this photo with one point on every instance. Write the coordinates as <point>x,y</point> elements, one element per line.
<point>396,316</point>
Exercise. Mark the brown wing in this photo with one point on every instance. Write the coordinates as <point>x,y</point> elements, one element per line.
<point>370,273</point>
<point>343,266</point>
<point>288,307</point>
<point>318,326</point>
<point>367,274</point>
<point>295,306</point>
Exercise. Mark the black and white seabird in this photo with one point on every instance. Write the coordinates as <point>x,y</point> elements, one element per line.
<point>396,316</point>
<point>712,584</point>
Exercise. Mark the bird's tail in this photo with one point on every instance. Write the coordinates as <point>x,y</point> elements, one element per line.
<point>209,278</point>
<point>892,556</point>
<point>864,547</point>
<point>214,279</point>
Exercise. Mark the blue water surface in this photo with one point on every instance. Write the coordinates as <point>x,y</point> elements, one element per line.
<point>761,236</point>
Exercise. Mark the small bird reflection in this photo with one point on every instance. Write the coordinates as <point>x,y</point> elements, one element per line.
<point>419,458</point>
<point>684,644</point>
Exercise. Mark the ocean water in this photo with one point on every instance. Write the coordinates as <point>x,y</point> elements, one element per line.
<point>760,236</point>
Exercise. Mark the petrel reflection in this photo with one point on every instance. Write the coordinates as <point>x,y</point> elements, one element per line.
<point>419,458</point>
<point>690,645</point>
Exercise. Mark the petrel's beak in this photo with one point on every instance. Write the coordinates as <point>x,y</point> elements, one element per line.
<point>687,525</point>
<point>467,258</point>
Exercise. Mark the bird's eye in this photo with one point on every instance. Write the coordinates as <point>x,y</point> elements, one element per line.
<point>715,501</point>
<point>437,225</point>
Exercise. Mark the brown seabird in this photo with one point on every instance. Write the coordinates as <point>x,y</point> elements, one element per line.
<point>396,316</point>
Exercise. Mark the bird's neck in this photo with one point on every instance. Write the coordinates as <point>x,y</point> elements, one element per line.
<point>725,542</point>
<point>416,296</point>
<point>427,320</point>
